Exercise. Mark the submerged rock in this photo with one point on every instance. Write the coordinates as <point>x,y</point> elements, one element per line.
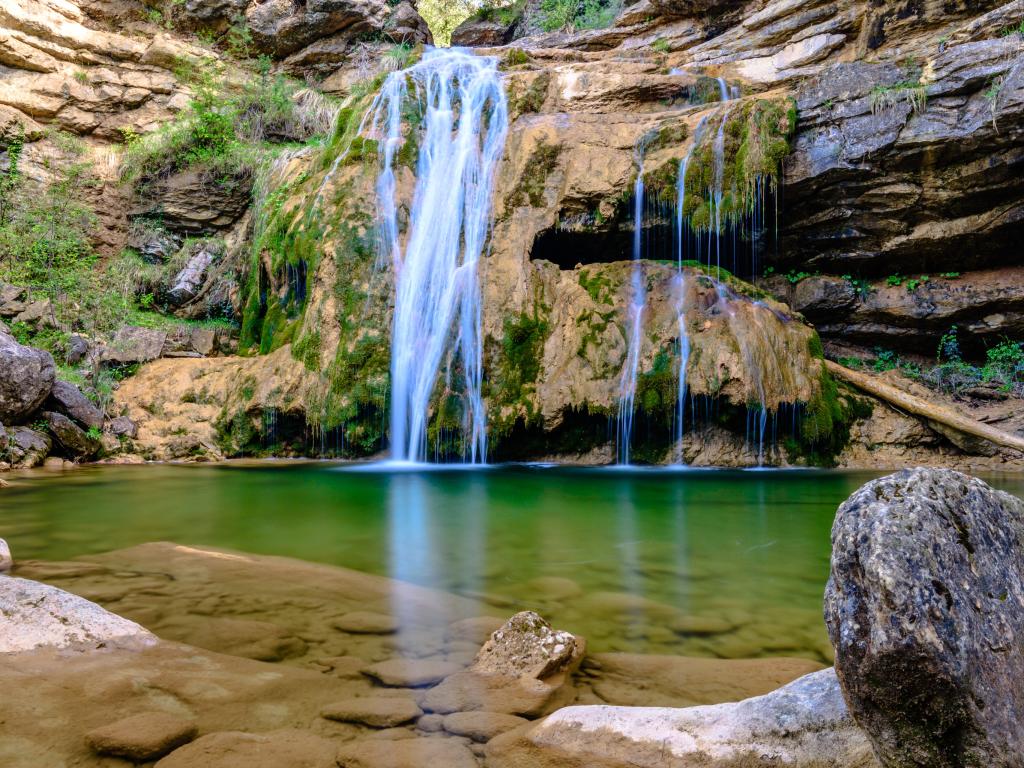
<point>367,623</point>
<point>6,560</point>
<point>925,607</point>
<point>407,753</point>
<point>277,749</point>
<point>411,673</point>
<point>143,737</point>
<point>38,615</point>
<point>26,378</point>
<point>374,711</point>
<point>802,725</point>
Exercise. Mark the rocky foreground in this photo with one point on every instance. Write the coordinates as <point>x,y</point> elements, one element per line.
<point>263,661</point>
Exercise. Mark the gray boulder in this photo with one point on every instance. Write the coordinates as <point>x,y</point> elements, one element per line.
<point>68,399</point>
<point>925,608</point>
<point>482,32</point>
<point>26,378</point>
<point>135,345</point>
<point>78,349</point>
<point>71,437</point>
<point>122,426</point>
<point>38,615</point>
<point>26,448</point>
<point>190,278</point>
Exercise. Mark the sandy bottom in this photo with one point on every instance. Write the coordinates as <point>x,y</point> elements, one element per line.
<point>264,645</point>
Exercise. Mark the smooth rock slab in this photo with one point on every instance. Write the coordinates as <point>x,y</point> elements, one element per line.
<point>925,608</point>
<point>234,749</point>
<point>803,725</point>
<point>37,615</point>
<point>374,711</point>
<point>408,753</point>
<point>481,726</point>
<point>411,673</point>
<point>367,623</point>
<point>142,737</point>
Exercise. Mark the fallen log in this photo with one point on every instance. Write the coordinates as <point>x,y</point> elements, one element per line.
<point>918,406</point>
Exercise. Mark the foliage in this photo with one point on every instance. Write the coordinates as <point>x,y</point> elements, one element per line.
<point>443,16</point>
<point>794,277</point>
<point>887,97</point>
<point>574,15</point>
<point>660,45</point>
<point>860,286</point>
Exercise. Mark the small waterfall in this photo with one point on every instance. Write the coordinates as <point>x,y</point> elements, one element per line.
<point>638,299</point>
<point>437,290</point>
<point>723,89</point>
<point>684,337</point>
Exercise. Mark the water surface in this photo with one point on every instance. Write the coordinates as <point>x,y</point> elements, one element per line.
<point>716,563</point>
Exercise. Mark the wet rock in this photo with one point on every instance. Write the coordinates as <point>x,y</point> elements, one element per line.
<point>38,615</point>
<point>27,448</point>
<point>142,737</point>
<point>71,437</point>
<point>374,711</point>
<point>68,399</point>
<point>234,749</point>
<point>526,646</point>
<point>6,560</point>
<point>26,378</point>
<point>122,426</point>
<point>431,723</point>
<point>411,673</point>
<point>555,588</point>
<point>408,753</point>
<point>132,344</point>
<point>481,726</point>
<point>524,668</point>
<point>367,623</point>
<point>259,640</point>
<point>925,604</point>
<point>805,725</point>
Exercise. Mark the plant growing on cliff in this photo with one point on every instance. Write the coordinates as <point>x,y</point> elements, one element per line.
<point>886,97</point>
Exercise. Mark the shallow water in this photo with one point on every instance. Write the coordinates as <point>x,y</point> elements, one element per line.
<point>710,563</point>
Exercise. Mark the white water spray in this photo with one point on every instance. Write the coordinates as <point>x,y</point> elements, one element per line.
<point>437,289</point>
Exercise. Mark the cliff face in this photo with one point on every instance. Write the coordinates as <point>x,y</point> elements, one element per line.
<point>869,141</point>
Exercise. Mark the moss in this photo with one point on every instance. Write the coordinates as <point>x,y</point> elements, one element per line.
<point>515,57</point>
<point>307,350</point>
<point>824,429</point>
<point>663,182</point>
<point>756,139</point>
<point>532,98</point>
<point>671,135</point>
<point>236,433</point>
<point>542,161</point>
<point>814,347</point>
<point>657,389</point>
<point>597,285</point>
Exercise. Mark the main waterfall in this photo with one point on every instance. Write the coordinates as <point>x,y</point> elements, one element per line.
<point>437,313</point>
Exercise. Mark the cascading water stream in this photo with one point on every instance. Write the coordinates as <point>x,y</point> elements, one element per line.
<point>638,299</point>
<point>684,337</point>
<point>437,290</point>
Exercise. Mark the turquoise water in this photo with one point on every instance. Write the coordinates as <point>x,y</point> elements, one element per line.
<point>720,563</point>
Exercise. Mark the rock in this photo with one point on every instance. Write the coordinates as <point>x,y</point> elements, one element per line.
<point>280,27</point>
<point>476,630</point>
<point>479,32</point>
<point>6,560</point>
<point>71,437</point>
<point>526,646</point>
<point>481,726</point>
<point>132,344</point>
<point>122,426</point>
<point>189,280</point>
<point>27,448</point>
<point>406,25</point>
<point>523,669</point>
<point>68,399</point>
<point>189,203</point>
<point>408,753</point>
<point>143,737</point>
<point>804,725</point>
<point>155,245</point>
<point>557,588</point>
<point>374,711</point>
<point>36,312</point>
<point>411,673</point>
<point>78,349</point>
<point>203,340</point>
<point>259,640</point>
<point>367,623</point>
<point>819,297</point>
<point>14,123</point>
<point>26,378</point>
<point>233,749</point>
<point>38,615</point>
<point>925,604</point>
<point>431,723</point>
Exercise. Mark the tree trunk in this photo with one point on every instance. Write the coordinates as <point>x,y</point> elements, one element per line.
<point>905,401</point>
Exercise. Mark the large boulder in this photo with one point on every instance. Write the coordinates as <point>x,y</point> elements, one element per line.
<point>483,32</point>
<point>74,441</point>
<point>925,608</point>
<point>26,378</point>
<point>38,615</point>
<point>133,344</point>
<point>281,27</point>
<point>68,399</point>
<point>805,724</point>
<point>191,277</point>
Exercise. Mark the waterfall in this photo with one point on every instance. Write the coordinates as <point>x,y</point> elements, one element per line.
<point>684,337</point>
<point>638,299</point>
<point>437,290</point>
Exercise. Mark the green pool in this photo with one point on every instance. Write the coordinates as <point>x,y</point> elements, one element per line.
<point>719,563</point>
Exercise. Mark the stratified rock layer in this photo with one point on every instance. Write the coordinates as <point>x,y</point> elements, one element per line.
<point>925,607</point>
